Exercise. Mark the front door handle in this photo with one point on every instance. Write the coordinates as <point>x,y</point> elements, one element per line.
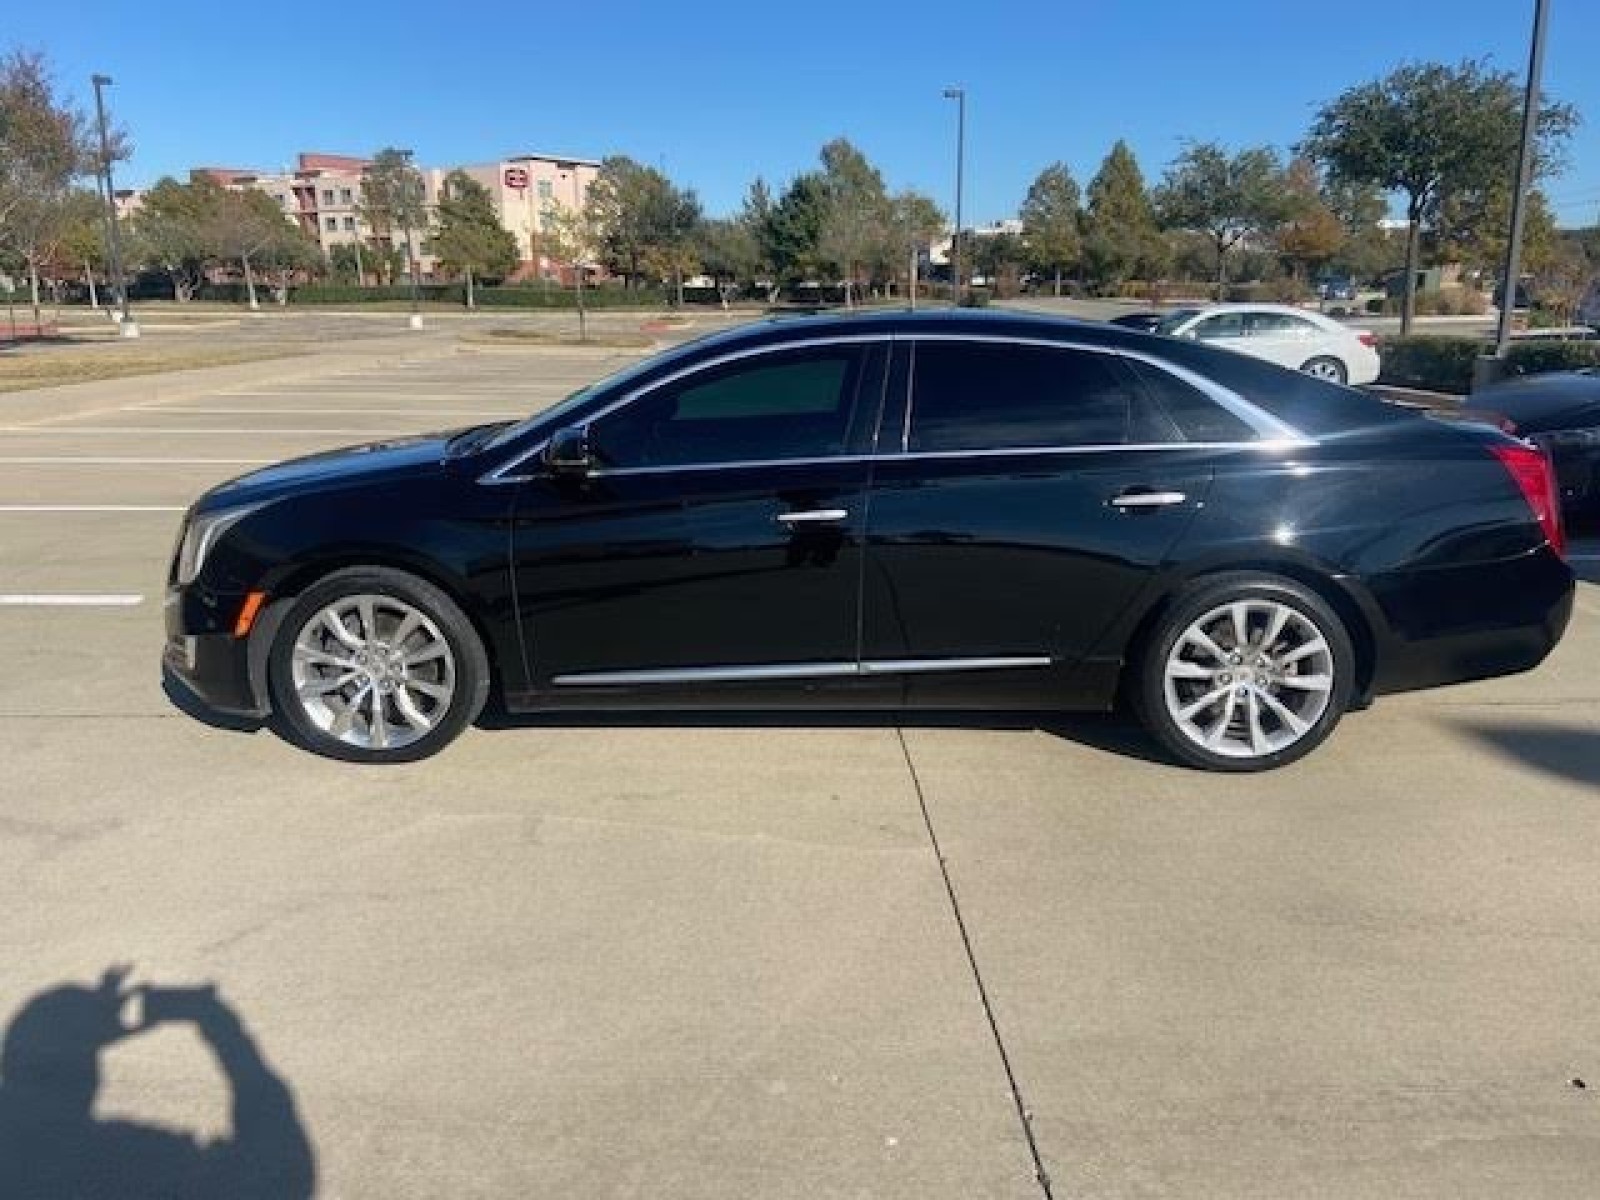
<point>1136,498</point>
<point>813,516</point>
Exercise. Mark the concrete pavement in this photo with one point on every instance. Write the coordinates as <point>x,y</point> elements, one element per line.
<point>614,959</point>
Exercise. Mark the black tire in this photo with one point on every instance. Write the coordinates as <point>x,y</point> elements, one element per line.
<point>1149,675</point>
<point>1326,367</point>
<point>467,662</point>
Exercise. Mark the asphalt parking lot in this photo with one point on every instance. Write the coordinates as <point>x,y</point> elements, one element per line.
<point>752,959</point>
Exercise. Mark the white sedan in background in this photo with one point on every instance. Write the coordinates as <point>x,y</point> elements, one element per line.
<point>1291,337</point>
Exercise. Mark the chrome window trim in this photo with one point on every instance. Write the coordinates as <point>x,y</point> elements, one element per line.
<point>1276,434</point>
<point>920,455</point>
<point>499,474</point>
<point>1263,422</point>
<point>782,671</point>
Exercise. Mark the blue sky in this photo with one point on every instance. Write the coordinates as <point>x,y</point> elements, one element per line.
<point>718,93</point>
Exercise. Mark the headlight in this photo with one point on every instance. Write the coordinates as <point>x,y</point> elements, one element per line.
<point>200,534</point>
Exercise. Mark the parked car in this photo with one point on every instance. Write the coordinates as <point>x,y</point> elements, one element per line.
<point>1560,413</point>
<point>1144,322</point>
<point>911,510</point>
<point>1291,337</point>
<point>1336,287</point>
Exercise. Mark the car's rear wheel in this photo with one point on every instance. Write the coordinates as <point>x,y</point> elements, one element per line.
<point>375,665</point>
<point>1243,673</point>
<point>1326,367</point>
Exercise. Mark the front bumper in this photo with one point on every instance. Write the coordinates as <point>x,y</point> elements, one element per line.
<point>225,672</point>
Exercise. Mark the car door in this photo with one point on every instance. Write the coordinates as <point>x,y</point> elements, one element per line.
<point>1279,338</point>
<point>1035,490</point>
<point>716,538</point>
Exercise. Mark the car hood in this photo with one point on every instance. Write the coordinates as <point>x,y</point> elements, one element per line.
<point>370,462</point>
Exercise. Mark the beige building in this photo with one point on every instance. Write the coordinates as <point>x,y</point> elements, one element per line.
<point>322,194</point>
<point>526,189</point>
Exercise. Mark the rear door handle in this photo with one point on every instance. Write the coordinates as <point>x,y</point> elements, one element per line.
<point>1148,499</point>
<point>813,516</point>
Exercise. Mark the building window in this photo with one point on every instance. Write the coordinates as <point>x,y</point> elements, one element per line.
<point>345,196</point>
<point>350,224</point>
<point>545,190</point>
<point>327,197</point>
<point>332,224</point>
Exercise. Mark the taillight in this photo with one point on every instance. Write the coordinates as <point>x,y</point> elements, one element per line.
<point>1536,477</point>
<point>1369,340</point>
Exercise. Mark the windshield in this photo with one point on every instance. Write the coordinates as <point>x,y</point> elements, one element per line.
<point>1172,320</point>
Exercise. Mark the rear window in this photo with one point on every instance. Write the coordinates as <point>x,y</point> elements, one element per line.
<point>1310,405</point>
<point>1198,417</point>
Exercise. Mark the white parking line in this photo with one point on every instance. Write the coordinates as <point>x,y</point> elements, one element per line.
<point>333,412</point>
<point>91,508</point>
<point>68,600</point>
<point>39,460</point>
<point>124,430</point>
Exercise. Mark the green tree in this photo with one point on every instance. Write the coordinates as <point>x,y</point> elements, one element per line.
<point>1225,197</point>
<point>792,231</point>
<point>856,237</point>
<point>641,220</point>
<point>727,251</point>
<point>82,247</point>
<point>1121,236</point>
<point>1428,130</point>
<point>394,204</point>
<point>172,231</point>
<point>999,258</point>
<point>469,238</point>
<point>917,220</point>
<point>1312,233</point>
<point>247,227</point>
<point>1051,220</point>
<point>1368,251</point>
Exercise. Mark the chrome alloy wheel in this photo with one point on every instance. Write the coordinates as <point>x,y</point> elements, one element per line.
<point>1249,678</point>
<point>373,672</point>
<point>1325,368</point>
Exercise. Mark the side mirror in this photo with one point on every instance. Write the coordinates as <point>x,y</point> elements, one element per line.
<point>567,452</point>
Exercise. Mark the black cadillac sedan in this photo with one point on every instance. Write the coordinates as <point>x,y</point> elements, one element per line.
<point>1560,413</point>
<point>950,510</point>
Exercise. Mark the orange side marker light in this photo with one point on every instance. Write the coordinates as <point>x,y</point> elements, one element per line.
<point>247,614</point>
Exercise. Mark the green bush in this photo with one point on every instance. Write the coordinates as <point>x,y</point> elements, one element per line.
<point>1534,357</point>
<point>1436,364</point>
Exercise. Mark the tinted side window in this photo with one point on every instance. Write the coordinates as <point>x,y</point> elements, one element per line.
<point>1219,327</point>
<point>1198,417</point>
<point>787,404</point>
<point>988,396</point>
<point>1270,324</point>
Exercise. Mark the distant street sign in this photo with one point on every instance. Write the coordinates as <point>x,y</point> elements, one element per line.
<point>516,177</point>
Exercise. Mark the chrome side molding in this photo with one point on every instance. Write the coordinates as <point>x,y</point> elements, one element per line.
<point>782,671</point>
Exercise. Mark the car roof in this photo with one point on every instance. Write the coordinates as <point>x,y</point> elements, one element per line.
<point>1246,306</point>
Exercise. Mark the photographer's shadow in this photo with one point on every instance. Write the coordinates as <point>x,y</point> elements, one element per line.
<point>52,1145</point>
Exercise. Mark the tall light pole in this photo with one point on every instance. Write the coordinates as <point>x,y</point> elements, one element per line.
<point>959,95</point>
<point>129,327</point>
<point>577,249</point>
<point>1519,198</point>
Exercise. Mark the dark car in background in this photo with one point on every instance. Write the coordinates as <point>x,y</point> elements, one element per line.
<point>1560,413</point>
<point>896,511</point>
<point>1144,322</point>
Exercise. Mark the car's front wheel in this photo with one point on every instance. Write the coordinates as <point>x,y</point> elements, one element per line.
<point>1326,367</point>
<point>1244,672</point>
<point>376,665</point>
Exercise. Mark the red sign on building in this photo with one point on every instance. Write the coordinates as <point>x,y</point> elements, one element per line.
<point>516,177</point>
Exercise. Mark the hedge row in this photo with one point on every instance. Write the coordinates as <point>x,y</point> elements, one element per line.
<point>1444,364</point>
<point>485,297</point>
